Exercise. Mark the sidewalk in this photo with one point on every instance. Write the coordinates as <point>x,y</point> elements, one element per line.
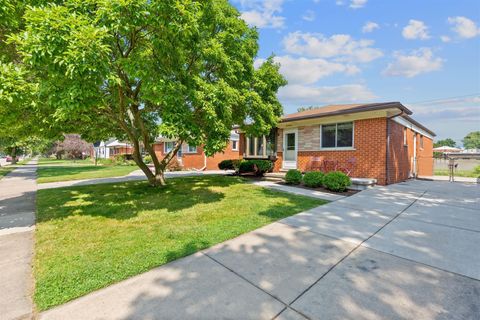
<point>447,178</point>
<point>17,220</point>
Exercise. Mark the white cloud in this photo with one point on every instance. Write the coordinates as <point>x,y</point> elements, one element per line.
<point>311,95</point>
<point>307,71</point>
<point>464,27</point>
<point>357,4</point>
<point>370,26</point>
<point>263,14</point>
<point>309,15</point>
<point>445,39</point>
<point>418,62</point>
<point>339,46</point>
<point>415,30</point>
<point>354,4</point>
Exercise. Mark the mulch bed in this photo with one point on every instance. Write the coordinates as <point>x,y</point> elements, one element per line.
<point>347,193</point>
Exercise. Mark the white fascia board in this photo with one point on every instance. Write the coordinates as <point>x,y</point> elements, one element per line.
<point>404,122</point>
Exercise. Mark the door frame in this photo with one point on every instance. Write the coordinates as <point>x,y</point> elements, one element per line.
<point>290,164</point>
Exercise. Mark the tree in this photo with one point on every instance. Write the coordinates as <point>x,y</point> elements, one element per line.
<point>301,109</point>
<point>140,69</point>
<point>72,147</point>
<point>472,140</point>
<point>445,142</point>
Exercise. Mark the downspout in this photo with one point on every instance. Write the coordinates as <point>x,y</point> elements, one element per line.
<point>388,146</point>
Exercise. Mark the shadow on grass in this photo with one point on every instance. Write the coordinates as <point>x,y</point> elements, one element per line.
<point>124,200</point>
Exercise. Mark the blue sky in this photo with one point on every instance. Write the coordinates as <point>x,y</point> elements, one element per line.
<point>423,53</point>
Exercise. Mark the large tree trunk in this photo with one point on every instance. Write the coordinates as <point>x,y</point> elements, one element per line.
<point>14,155</point>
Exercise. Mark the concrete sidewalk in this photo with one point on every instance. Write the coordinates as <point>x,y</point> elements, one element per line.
<point>17,219</point>
<point>407,251</point>
<point>133,176</point>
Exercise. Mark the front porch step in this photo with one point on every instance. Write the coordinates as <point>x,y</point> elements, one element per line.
<point>362,183</point>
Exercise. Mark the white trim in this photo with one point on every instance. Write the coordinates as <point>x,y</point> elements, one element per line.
<point>336,129</point>
<point>187,151</point>
<point>236,148</point>
<point>289,164</point>
<point>404,122</point>
<point>165,146</point>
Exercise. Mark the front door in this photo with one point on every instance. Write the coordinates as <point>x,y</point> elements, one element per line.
<point>290,143</point>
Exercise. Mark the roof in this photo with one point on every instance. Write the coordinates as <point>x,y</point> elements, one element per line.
<point>340,109</point>
<point>413,121</point>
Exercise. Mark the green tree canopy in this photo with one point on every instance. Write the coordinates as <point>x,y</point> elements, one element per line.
<point>472,140</point>
<point>139,69</point>
<point>445,142</point>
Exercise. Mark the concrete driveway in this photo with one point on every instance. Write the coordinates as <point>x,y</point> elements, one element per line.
<point>407,251</point>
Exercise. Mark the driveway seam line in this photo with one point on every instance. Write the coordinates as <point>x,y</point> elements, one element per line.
<point>245,279</point>
<point>440,224</point>
<point>422,263</point>
<point>354,249</point>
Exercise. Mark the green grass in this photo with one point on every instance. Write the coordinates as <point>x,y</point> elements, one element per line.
<point>91,236</point>
<point>458,173</point>
<point>5,170</point>
<point>63,162</point>
<point>80,171</point>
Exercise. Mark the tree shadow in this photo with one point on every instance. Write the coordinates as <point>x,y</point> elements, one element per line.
<point>125,200</point>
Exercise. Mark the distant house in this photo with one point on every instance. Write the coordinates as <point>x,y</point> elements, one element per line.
<point>378,140</point>
<point>110,148</point>
<point>193,157</point>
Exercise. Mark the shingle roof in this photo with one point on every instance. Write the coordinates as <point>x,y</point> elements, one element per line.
<point>338,109</point>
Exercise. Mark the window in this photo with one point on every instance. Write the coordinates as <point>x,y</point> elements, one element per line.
<point>191,149</point>
<point>168,146</point>
<point>421,142</point>
<point>338,135</point>
<point>404,136</point>
<point>260,146</point>
<point>234,145</point>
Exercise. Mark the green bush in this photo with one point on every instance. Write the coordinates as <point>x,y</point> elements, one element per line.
<point>477,170</point>
<point>246,166</point>
<point>336,181</point>
<point>313,179</point>
<point>226,165</point>
<point>261,167</point>
<point>293,176</point>
<point>147,159</point>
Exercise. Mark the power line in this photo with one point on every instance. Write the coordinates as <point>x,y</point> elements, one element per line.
<point>447,98</point>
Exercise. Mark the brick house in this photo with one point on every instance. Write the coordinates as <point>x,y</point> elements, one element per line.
<point>193,157</point>
<point>378,140</point>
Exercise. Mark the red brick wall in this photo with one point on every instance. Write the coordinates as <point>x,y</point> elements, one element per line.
<point>369,144</point>
<point>197,160</point>
<point>425,157</point>
<point>399,167</point>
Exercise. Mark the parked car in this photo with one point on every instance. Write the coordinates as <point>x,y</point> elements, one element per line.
<point>9,158</point>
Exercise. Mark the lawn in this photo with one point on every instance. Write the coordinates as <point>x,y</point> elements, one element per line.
<point>458,173</point>
<point>91,236</point>
<point>63,162</point>
<point>5,170</point>
<point>70,171</point>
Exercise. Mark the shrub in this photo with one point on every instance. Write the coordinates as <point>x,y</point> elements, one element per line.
<point>293,176</point>
<point>174,165</point>
<point>246,166</point>
<point>313,179</point>
<point>147,159</point>
<point>336,181</point>
<point>226,165</point>
<point>476,170</point>
<point>105,162</point>
<point>260,167</point>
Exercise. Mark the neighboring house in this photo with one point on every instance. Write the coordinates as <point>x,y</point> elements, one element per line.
<point>378,140</point>
<point>193,157</point>
<point>111,148</point>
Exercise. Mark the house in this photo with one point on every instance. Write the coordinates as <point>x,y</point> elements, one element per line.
<point>192,157</point>
<point>110,148</point>
<point>377,140</point>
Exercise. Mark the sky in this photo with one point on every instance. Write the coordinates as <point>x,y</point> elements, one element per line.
<point>423,53</point>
